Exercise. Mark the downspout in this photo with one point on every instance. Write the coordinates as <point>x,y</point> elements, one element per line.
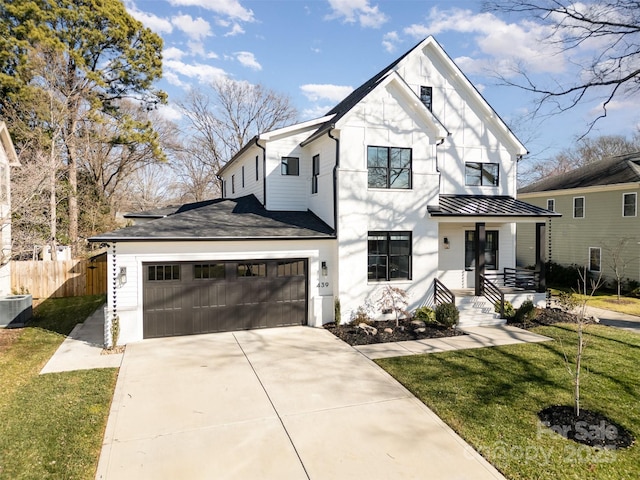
<point>221,180</point>
<point>264,173</point>
<point>336,167</point>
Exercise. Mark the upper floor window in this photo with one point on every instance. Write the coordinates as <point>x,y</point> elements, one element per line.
<point>389,256</point>
<point>315,172</point>
<point>578,207</point>
<point>481,174</point>
<point>551,205</point>
<point>629,202</point>
<point>290,166</point>
<point>426,96</point>
<point>389,167</point>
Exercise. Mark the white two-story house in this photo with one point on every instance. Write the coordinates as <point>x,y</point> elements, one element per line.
<point>409,181</point>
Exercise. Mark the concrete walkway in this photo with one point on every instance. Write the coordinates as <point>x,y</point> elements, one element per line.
<point>285,403</point>
<point>82,349</point>
<point>615,319</point>
<point>477,337</point>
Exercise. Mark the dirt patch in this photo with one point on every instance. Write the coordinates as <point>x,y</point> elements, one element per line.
<point>353,335</point>
<point>548,316</point>
<point>589,428</point>
<point>8,337</point>
<point>113,351</point>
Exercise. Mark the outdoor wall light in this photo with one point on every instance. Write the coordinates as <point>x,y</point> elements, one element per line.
<point>122,277</point>
<point>446,242</point>
<point>324,269</point>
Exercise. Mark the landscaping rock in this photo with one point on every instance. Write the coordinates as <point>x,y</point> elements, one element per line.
<point>388,330</point>
<point>418,324</point>
<point>420,330</point>
<point>368,329</point>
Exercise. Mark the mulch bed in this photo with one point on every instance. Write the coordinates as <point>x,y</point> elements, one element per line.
<point>589,428</point>
<point>353,335</point>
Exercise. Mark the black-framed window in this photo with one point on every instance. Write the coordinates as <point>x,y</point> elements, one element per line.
<point>233,184</point>
<point>595,256</point>
<point>629,204</point>
<point>257,168</point>
<point>203,271</point>
<point>389,167</point>
<point>290,166</point>
<point>315,173</point>
<point>426,96</point>
<point>291,268</point>
<point>156,273</point>
<point>252,270</point>
<point>578,207</point>
<point>551,205</point>
<point>243,176</point>
<point>491,250</point>
<point>389,256</point>
<point>481,174</point>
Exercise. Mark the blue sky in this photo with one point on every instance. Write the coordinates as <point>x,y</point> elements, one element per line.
<point>316,51</point>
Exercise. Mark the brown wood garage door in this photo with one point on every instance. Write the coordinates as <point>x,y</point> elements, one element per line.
<point>207,297</point>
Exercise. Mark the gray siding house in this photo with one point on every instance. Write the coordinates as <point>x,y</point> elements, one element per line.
<point>599,207</point>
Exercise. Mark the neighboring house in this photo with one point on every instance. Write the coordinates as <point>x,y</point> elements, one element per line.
<point>409,179</point>
<point>8,158</point>
<point>599,207</point>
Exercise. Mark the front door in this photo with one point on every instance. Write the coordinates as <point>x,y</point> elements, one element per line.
<point>490,254</point>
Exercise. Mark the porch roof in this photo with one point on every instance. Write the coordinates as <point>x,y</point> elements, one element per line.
<point>487,206</point>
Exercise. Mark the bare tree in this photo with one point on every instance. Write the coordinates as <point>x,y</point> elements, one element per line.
<point>222,118</point>
<point>618,260</point>
<point>609,28</point>
<point>586,151</point>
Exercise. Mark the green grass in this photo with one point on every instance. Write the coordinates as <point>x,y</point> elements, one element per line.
<point>609,301</point>
<point>51,426</point>
<point>491,397</point>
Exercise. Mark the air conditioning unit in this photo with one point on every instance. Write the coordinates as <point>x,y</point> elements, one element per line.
<point>15,310</point>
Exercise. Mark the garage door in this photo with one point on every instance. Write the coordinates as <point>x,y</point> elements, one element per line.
<point>206,297</point>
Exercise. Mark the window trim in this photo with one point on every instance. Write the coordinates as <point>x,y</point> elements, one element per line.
<point>635,204</point>
<point>315,173</point>
<point>584,207</point>
<point>553,202</point>
<point>599,250</point>
<point>284,166</point>
<point>482,176</point>
<point>388,168</point>
<point>388,255</point>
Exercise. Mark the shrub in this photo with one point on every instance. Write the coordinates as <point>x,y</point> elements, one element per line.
<point>562,276</point>
<point>337,314</point>
<point>526,312</point>
<point>447,314</point>
<point>361,315</point>
<point>426,314</point>
<point>509,311</point>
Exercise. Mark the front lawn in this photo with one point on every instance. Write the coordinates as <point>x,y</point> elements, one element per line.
<point>609,301</point>
<point>51,426</point>
<point>491,397</point>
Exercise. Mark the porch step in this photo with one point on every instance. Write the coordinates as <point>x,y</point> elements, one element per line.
<point>477,312</point>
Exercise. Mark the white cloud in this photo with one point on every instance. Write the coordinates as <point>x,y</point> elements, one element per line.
<point>196,48</point>
<point>196,29</point>
<point>334,93</point>
<point>390,41</point>
<point>230,8</point>
<point>202,72</point>
<point>358,11</point>
<point>503,47</point>
<point>235,30</point>
<point>248,60</point>
<point>172,53</point>
<point>315,112</point>
<point>149,20</point>
<point>169,112</point>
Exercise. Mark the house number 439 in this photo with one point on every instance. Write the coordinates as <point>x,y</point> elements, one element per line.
<point>323,284</point>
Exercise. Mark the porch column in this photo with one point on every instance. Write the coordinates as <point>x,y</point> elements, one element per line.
<point>479,247</point>
<point>540,257</point>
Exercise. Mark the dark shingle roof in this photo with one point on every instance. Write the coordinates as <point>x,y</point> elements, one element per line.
<point>486,206</point>
<point>166,211</point>
<point>224,219</point>
<point>610,171</point>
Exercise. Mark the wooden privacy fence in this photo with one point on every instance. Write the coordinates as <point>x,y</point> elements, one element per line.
<point>62,278</point>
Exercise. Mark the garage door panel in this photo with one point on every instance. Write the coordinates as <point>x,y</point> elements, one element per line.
<point>215,301</point>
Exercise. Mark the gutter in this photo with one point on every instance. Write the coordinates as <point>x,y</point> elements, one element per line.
<point>336,167</point>
<point>206,239</point>
<point>264,172</point>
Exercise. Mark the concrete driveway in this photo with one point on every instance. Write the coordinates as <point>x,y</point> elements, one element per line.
<point>286,403</point>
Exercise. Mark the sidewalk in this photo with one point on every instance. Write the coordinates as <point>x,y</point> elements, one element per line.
<point>82,349</point>
<point>615,319</point>
<point>477,337</point>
